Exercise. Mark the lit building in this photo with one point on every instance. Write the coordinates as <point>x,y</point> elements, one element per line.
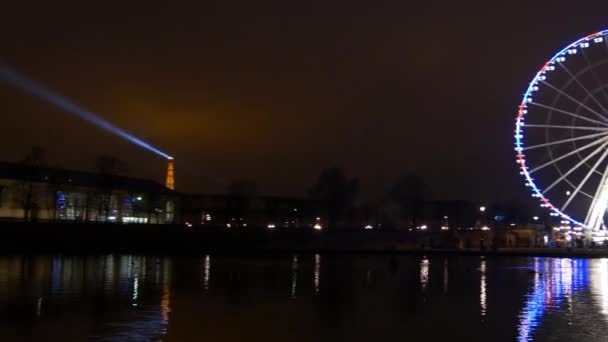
<point>46,194</point>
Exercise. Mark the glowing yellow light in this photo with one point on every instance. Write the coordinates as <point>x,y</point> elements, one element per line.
<point>170,183</point>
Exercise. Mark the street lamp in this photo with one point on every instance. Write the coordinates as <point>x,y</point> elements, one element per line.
<point>482,219</point>
<point>447,224</point>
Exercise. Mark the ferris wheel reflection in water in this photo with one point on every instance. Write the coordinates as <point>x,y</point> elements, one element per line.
<point>556,285</point>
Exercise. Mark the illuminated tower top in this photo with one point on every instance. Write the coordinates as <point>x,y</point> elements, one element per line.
<point>170,184</point>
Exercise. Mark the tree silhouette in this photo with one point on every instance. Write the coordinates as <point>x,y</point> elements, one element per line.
<point>33,166</point>
<point>110,165</point>
<point>241,196</point>
<point>409,193</point>
<point>336,193</point>
<point>108,168</point>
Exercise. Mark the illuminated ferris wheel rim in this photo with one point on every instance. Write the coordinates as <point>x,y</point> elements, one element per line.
<point>522,111</point>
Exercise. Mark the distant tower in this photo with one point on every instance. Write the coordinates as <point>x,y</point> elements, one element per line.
<point>170,184</point>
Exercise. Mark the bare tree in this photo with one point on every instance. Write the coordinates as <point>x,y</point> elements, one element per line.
<point>410,192</point>
<point>109,168</point>
<point>32,168</point>
<point>336,192</point>
<point>241,196</point>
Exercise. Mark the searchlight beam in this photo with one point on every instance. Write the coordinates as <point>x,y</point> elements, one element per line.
<point>35,89</point>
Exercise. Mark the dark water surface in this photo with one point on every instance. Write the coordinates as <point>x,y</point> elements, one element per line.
<point>303,297</point>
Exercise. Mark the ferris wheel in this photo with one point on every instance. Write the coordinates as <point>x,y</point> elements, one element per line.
<point>561,133</point>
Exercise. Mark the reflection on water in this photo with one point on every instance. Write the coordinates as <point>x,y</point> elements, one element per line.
<point>165,302</point>
<point>599,285</point>
<point>377,297</point>
<point>445,276</point>
<point>482,289</point>
<point>135,290</point>
<point>206,272</point>
<point>78,285</point>
<point>317,274</point>
<point>39,307</point>
<point>424,273</point>
<point>294,276</point>
<point>554,283</point>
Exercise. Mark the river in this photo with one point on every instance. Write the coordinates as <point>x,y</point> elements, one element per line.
<point>306,297</point>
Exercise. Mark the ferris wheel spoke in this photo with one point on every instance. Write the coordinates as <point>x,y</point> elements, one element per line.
<point>596,210</point>
<point>578,150</point>
<point>575,100</point>
<point>587,176</point>
<point>583,137</point>
<point>579,164</point>
<point>595,76</point>
<point>582,128</point>
<point>571,114</point>
<point>580,84</point>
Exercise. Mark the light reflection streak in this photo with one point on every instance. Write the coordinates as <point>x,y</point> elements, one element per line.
<point>206,272</point>
<point>109,273</point>
<point>39,307</point>
<point>56,270</point>
<point>599,285</point>
<point>483,304</point>
<point>135,290</point>
<point>165,302</point>
<point>125,273</point>
<point>317,273</point>
<point>554,282</point>
<point>60,284</point>
<point>445,276</point>
<point>424,273</point>
<point>294,276</point>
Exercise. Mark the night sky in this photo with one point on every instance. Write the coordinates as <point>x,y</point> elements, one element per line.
<point>277,90</point>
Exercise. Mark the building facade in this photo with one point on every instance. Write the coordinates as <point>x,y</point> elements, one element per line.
<point>37,194</point>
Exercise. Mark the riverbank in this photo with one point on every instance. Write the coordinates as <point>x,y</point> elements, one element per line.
<point>556,252</point>
<point>166,239</point>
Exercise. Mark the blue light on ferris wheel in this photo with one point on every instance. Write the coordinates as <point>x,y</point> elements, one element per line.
<point>559,57</point>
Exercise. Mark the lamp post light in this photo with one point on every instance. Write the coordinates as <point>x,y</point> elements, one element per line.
<point>482,211</point>
<point>446,225</point>
<point>317,225</point>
